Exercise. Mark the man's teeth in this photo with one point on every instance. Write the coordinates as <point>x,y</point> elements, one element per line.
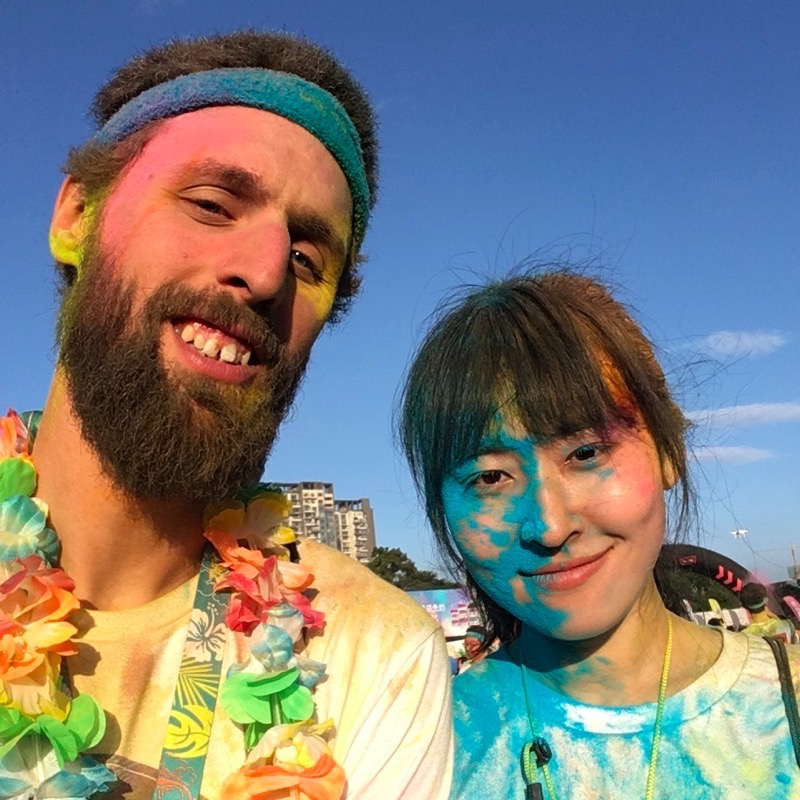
<point>210,347</point>
<point>228,353</point>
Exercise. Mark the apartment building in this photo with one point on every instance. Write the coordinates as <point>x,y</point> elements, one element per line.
<point>347,525</point>
<point>312,511</point>
<point>355,527</point>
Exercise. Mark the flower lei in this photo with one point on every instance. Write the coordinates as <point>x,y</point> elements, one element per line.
<point>45,732</point>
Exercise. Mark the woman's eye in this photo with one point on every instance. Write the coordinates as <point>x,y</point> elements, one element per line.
<point>587,452</point>
<point>489,483</point>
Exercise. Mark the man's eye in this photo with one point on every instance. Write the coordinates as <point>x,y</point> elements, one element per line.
<point>210,206</point>
<point>306,265</point>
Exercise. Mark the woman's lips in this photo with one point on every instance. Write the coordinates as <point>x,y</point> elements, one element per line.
<point>563,575</point>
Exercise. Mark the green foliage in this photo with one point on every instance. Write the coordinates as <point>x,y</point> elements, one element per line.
<point>395,567</point>
<point>696,588</point>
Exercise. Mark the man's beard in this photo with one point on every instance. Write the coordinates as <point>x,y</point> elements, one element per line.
<point>158,435</point>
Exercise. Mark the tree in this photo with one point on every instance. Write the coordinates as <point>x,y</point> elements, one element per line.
<point>677,583</point>
<point>395,567</point>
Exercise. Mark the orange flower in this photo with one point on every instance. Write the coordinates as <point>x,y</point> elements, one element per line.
<point>13,436</point>
<point>234,556</point>
<point>301,768</point>
<point>34,634</point>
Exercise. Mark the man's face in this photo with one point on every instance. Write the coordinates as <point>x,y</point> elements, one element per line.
<point>472,646</point>
<point>239,201</point>
<point>209,276</point>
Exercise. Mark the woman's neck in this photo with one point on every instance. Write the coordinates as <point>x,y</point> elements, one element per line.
<point>623,667</point>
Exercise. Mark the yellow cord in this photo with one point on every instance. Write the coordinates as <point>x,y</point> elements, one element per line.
<point>662,696</point>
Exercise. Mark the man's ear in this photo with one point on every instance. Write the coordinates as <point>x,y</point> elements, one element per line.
<point>70,223</point>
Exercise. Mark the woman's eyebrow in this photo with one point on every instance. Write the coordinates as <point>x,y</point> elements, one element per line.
<point>494,447</point>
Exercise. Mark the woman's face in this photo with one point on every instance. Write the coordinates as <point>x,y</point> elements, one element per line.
<point>563,534</point>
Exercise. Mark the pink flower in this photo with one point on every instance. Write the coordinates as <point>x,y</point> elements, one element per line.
<point>259,583</point>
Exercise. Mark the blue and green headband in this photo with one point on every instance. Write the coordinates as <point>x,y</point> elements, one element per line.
<point>287,95</point>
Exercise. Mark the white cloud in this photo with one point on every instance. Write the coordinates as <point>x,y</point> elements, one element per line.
<point>732,455</point>
<point>752,414</point>
<point>742,343</point>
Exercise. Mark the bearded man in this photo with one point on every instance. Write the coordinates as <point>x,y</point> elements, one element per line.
<point>159,640</point>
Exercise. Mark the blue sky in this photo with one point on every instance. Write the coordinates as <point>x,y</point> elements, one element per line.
<point>660,139</point>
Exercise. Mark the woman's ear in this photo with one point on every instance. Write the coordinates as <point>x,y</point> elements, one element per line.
<point>69,224</point>
<point>669,475</point>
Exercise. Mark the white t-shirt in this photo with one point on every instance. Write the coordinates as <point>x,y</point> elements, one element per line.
<point>387,690</point>
<point>724,737</point>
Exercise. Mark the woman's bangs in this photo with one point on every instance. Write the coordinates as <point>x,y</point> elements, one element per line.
<point>469,390</point>
<point>555,375</point>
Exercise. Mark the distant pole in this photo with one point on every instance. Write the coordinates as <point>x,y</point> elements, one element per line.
<point>794,564</point>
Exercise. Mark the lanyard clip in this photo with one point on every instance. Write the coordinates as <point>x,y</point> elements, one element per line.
<point>542,753</point>
<point>533,791</point>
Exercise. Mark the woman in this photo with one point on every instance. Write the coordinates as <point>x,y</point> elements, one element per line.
<point>543,438</point>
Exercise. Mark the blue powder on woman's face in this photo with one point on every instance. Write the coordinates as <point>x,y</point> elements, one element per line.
<point>491,528</point>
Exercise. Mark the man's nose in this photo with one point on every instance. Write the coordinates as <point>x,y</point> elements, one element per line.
<point>258,270</point>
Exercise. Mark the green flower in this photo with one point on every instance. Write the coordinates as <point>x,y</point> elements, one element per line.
<point>250,493</point>
<point>24,531</point>
<point>266,700</point>
<point>82,728</point>
<point>17,476</point>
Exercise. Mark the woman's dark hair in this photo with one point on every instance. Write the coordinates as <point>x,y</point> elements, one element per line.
<point>553,350</point>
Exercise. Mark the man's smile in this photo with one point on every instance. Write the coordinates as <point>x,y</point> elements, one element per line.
<point>214,343</point>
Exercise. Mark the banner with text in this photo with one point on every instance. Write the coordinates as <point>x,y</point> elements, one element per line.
<point>451,608</point>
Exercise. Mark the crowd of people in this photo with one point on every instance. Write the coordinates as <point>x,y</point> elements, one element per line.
<point>165,635</point>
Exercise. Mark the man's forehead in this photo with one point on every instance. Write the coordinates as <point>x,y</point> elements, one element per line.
<point>287,96</point>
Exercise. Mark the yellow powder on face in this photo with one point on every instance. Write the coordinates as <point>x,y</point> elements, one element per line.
<point>319,297</point>
<point>68,246</point>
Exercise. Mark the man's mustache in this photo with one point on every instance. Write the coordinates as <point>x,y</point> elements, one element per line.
<point>219,310</point>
